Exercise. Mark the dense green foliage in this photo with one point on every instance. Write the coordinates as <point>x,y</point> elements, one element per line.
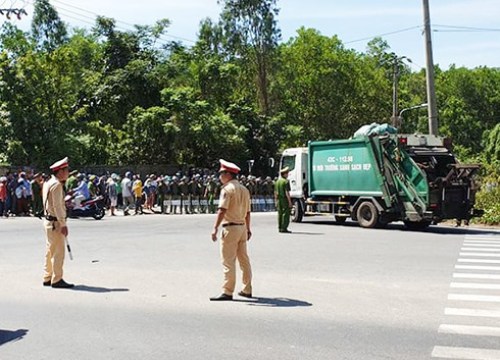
<point>106,96</point>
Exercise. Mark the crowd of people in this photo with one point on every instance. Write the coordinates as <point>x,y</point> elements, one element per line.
<point>132,194</point>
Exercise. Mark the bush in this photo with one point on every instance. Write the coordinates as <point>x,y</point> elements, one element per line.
<point>488,198</point>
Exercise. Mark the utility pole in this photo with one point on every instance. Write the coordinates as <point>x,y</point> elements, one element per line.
<point>395,76</point>
<point>431,90</point>
<point>397,61</point>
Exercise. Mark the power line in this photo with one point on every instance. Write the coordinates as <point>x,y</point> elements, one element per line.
<point>460,31</point>
<point>90,20</point>
<point>385,34</point>
<point>118,21</point>
<point>467,28</point>
<point>455,29</point>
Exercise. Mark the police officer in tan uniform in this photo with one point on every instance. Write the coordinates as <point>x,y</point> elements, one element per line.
<point>234,216</point>
<point>55,226</point>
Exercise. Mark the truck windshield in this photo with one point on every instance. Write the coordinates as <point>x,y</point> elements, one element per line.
<point>288,160</point>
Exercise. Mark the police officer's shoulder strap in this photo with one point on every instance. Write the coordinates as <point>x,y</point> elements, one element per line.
<point>46,214</point>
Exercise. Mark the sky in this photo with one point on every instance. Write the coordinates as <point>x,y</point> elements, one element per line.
<point>465,32</point>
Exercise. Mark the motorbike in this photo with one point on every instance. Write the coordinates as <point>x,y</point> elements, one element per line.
<point>88,208</point>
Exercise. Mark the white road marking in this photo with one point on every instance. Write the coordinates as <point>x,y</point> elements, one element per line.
<point>448,352</point>
<point>480,249</point>
<point>476,276</point>
<point>495,245</point>
<point>487,251</point>
<point>469,330</point>
<point>478,254</point>
<point>468,297</point>
<point>469,237</point>
<point>457,285</point>
<point>484,261</point>
<point>474,267</point>
<point>472,312</point>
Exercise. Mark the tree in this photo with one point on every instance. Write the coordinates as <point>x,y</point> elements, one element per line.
<point>492,145</point>
<point>47,28</point>
<point>327,91</point>
<point>251,31</point>
<point>205,133</point>
<point>148,137</point>
<point>469,103</point>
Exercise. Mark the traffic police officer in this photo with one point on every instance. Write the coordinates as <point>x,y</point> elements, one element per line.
<point>55,226</point>
<point>234,215</point>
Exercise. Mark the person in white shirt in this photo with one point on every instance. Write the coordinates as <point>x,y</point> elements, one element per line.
<point>128,196</point>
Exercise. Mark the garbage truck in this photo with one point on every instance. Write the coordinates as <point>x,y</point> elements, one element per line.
<point>375,180</point>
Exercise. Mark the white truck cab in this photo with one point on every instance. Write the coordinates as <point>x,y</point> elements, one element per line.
<point>296,160</point>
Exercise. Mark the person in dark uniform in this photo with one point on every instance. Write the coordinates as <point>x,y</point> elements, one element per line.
<point>184,192</point>
<point>36,190</point>
<point>175,196</point>
<point>210,193</point>
<point>283,200</point>
<point>234,216</point>
<point>55,226</point>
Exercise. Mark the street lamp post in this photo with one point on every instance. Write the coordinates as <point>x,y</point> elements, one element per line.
<point>400,115</point>
<point>397,61</point>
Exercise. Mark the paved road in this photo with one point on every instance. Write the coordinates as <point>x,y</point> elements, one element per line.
<point>324,292</point>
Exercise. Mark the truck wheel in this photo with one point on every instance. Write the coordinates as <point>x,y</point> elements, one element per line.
<point>367,214</point>
<point>297,212</point>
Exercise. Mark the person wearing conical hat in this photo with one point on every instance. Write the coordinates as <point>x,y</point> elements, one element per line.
<point>55,225</point>
<point>283,200</point>
<point>234,216</point>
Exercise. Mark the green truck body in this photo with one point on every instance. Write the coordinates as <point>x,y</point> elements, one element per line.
<point>373,180</point>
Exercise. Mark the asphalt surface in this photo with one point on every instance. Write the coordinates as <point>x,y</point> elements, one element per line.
<point>326,291</point>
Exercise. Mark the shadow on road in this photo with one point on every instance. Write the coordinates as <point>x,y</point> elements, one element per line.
<point>433,229</point>
<point>96,289</point>
<point>7,335</point>
<point>305,233</point>
<point>274,302</point>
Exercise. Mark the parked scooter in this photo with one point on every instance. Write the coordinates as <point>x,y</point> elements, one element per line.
<point>89,208</point>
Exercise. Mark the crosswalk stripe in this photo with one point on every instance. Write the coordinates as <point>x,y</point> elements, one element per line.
<point>468,297</point>
<point>481,242</point>
<point>469,237</point>
<point>476,276</point>
<point>472,312</point>
<point>448,352</point>
<point>496,245</point>
<point>484,261</point>
<point>475,286</point>
<point>492,240</point>
<point>478,254</point>
<point>469,330</point>
<point>474,267</point>
<point>480,249</point>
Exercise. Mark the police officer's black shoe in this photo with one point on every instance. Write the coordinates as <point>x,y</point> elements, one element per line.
<point>244,294</point>
<point>222,297</point>
<point>47,283</point>
<point>61,284</point>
